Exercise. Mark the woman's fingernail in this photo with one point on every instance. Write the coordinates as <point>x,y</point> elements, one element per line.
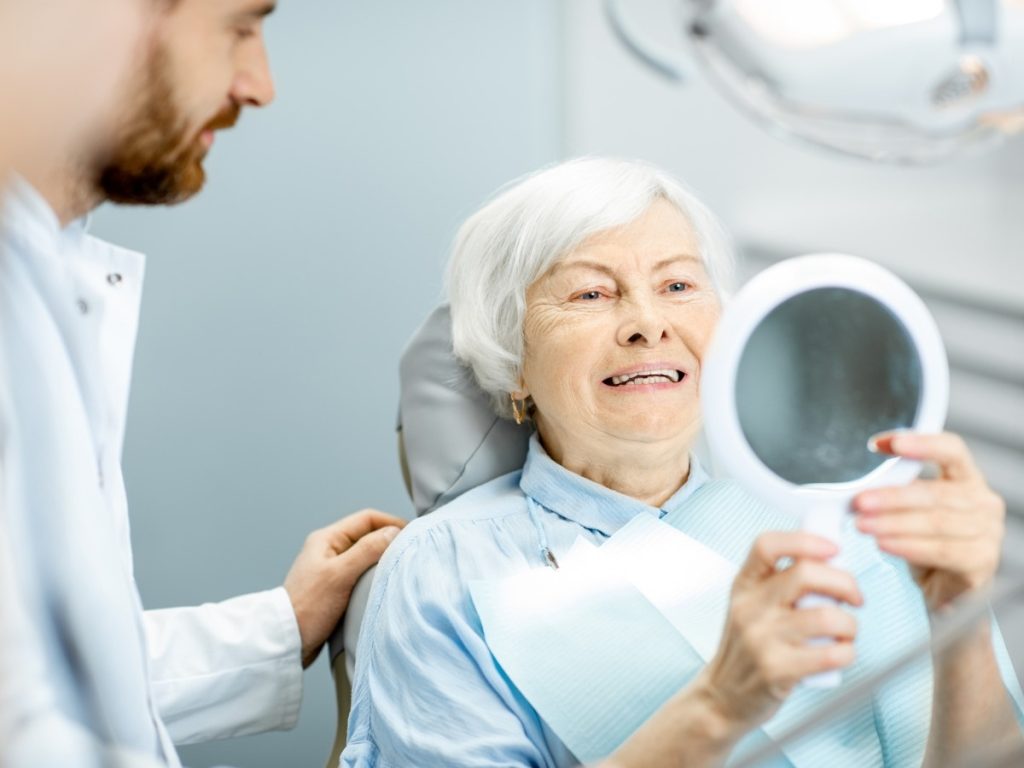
<point>391,532</point>
<point>881,443</point>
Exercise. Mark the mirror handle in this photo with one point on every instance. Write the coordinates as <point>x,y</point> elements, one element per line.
<point>825,521</point>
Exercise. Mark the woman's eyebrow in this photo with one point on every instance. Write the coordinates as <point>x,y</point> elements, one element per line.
<point>599,267</point>
<point>676,258</point>
<point>583,264</point>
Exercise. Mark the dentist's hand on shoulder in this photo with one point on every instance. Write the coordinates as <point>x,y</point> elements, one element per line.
<point>325,572</point>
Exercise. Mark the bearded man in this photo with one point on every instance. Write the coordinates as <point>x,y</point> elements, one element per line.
<point>109,682</point>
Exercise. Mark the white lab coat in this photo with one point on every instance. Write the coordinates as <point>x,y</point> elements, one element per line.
<point>81,662</point>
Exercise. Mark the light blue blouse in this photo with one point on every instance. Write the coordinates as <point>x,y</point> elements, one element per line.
<point>427,690</point>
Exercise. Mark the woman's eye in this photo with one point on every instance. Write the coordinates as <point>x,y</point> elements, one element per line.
<point>678,287</point>
<point>589,295</point>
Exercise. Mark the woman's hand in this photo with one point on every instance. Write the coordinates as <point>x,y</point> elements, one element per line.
<point>950,529</point>
<point>765,651</point>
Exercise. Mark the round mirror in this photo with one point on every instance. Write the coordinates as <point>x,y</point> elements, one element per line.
<point>814,357</point>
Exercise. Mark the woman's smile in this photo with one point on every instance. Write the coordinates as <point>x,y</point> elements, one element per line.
<point>647,378</point>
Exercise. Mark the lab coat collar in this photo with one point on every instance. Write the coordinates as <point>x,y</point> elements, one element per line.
<point>30,220</point>
<point>30,226</point>
<point>591,504</point>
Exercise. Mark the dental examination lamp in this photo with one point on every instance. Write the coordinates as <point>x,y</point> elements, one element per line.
<point>906,81</point>
<point>811,359</point>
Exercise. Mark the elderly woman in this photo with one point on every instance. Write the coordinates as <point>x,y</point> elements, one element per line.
<point>583,299</point>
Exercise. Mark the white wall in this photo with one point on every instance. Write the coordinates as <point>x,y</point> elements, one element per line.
<point>278,301</point>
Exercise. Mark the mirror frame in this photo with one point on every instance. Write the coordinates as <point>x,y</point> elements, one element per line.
<point>742,314</point>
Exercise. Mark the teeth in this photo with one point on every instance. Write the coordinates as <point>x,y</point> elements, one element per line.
<point>647,377</point>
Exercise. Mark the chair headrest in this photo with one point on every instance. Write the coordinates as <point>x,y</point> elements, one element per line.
<point>450,439</point>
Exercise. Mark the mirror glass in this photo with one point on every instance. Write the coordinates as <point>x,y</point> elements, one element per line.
<point>823,372</point>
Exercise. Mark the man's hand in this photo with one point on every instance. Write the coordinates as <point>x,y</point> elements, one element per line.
<point>324,574</point>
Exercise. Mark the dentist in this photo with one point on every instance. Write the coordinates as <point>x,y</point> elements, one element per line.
<point>109,681</point>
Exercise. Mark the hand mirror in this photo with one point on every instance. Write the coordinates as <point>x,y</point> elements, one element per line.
<point>813,357</point>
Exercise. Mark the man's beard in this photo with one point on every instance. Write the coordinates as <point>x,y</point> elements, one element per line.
<point>155,160</point>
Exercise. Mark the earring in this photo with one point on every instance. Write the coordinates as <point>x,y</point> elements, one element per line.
<point>519,414</point>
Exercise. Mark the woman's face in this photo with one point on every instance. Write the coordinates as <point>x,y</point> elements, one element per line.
<point>615,334</point>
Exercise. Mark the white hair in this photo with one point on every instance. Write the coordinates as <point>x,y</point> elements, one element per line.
<point>533,223</point>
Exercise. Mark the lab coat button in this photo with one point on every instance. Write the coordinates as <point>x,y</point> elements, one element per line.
<point>114,278</point>
<point>83,307</point>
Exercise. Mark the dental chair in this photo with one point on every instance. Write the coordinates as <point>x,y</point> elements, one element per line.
<point>449,441</point>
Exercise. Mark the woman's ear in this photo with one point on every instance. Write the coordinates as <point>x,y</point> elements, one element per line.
<point>521,392</point>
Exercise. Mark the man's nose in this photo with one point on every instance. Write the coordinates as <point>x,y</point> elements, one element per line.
<point>253,85</point>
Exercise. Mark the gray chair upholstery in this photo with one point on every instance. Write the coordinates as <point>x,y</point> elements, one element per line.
<point>453,441</point>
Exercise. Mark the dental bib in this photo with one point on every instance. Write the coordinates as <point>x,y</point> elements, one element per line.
<point>598,645</point>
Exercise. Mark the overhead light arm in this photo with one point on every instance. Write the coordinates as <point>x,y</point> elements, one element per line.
<point>665,62</point>
<point>979,21</point>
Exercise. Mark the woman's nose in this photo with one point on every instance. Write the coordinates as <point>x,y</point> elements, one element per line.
<point>643,326</point>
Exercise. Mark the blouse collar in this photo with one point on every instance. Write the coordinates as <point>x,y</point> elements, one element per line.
<point>591,504</point>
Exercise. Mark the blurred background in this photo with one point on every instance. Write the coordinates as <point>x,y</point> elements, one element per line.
<point>279,300</point>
